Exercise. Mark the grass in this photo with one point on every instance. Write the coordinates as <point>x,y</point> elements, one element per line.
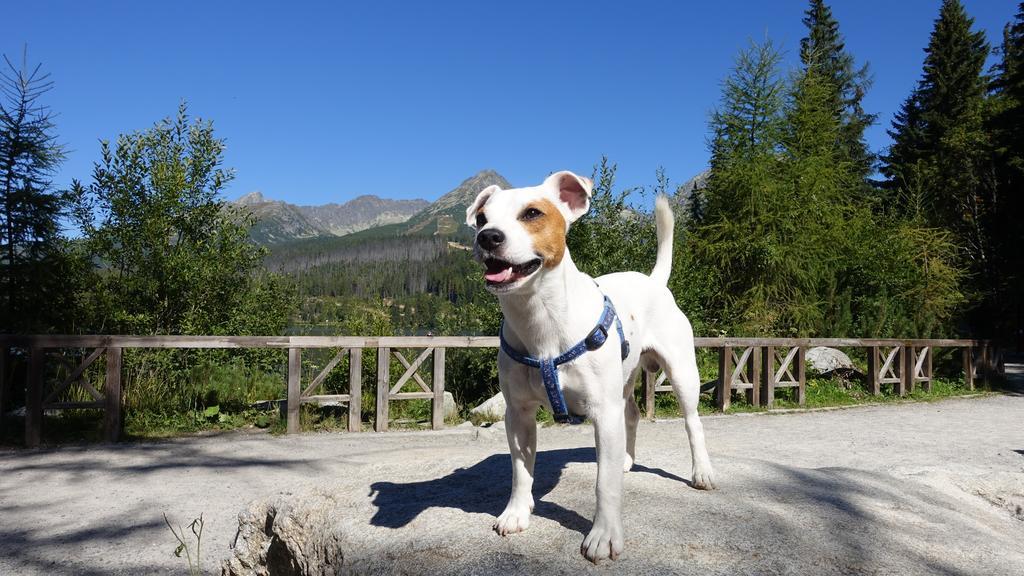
<point>820,393</point>
<point>146,424</point>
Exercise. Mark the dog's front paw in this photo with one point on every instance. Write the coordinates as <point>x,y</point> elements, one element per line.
<point>515,518</point>
<point>604,541</point>
<point>704,479</point>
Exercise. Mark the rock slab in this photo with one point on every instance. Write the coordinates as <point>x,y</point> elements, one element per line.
<point>286,537</point>
<point>824,360</point>
<point>767,518</point>
<point>491,409</point>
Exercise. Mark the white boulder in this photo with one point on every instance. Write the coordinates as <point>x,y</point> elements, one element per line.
<point>824,360</point>
<point>451,409</point>
<point>492,409</point>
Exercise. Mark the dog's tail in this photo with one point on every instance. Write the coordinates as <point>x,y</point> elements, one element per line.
<point>665,223</point>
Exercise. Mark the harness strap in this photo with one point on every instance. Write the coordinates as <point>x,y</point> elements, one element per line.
<point>549,366</point>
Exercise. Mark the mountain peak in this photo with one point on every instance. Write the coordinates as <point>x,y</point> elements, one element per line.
<point>487,176</point>
<point>695,184</point>
<point>445,216</point>
<point>254,197</point>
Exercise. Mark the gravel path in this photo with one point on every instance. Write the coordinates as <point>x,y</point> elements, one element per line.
<point>895,489</point>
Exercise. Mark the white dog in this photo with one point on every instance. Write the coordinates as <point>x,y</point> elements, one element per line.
<point>559,348</point>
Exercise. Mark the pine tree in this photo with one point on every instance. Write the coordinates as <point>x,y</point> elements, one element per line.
<point>32,258</point>
<point>938,160</point>
<point>747,131</point>
<point>1006,125</point>
<point>820,175</point>
<point>783,248</point>
<point>823,53</point>
<point>749,236</point>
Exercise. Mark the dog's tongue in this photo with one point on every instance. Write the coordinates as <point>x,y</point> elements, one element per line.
<point>500,276</point>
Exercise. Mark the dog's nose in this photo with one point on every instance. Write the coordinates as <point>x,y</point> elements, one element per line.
<point>490,238</point>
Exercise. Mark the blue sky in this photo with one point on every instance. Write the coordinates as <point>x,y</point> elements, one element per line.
<point>324,101</point>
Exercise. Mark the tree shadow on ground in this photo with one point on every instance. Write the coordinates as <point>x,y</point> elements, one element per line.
<point>484,488</point>
<point>139,458</point>
<point>767,518</point>
<point>31,550</point>
<point>31,546</point>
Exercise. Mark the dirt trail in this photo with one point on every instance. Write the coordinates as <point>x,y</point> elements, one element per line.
<point>910,488</point>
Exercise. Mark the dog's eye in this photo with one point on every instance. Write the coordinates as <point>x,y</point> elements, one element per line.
<point>531,214</point>
<point>481,220</point>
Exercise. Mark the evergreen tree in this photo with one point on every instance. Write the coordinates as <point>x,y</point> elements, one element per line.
<point>32,286</point>
<point>823,53</point>
<point>939,159</point>
<point>788,249</point>
<point>746,238</point>
<point>747,130</point>
<point>820,175</point>
<point>1006,125</point>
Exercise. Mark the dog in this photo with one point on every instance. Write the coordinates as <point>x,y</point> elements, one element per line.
<point>549,308</point>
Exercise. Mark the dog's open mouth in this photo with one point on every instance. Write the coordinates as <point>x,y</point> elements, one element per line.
<point>500,272</point>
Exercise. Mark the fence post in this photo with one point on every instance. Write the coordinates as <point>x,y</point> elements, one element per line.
<point>801,376</point>
<point>753,369</point>
<point>984,367</point>
<point>648,380</point>
<point>874,388</point>
<point>901,363</point>
<point>112,395</point>
<point>767,376</point>
<point>910,366</point>
<point>383,388</point>
<point>930,351</point>
<point>294,390</point>
<point>34,398</point>
<point>724,377</point>
<point>6,396</point>
<point>437,410</point>
<point>355,389</point>
<point>968,354</point>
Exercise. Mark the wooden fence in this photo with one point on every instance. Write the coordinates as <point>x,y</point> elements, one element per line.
<point>756,366</point>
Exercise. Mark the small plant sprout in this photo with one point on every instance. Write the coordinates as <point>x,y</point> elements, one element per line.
<point>196,527</point>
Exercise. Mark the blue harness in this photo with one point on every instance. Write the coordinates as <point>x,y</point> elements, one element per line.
<point>549,366</point>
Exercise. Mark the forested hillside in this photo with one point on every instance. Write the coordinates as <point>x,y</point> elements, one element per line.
<point>414,272</point>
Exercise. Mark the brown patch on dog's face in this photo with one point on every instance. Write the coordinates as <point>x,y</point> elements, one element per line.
<point>546,229</point>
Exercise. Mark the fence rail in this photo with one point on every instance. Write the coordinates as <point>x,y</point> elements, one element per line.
<point>756,366</point>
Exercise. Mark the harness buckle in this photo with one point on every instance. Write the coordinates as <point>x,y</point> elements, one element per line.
<point>597,337</point>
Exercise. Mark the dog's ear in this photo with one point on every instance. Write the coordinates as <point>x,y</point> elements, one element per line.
<point>574,191</point>
<point>478,203</point>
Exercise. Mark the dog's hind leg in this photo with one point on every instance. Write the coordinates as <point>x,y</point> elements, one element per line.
<point>632,419</point>
<point>680,363</point>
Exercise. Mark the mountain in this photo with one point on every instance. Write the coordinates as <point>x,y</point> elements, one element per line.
<point>276,221</point>
<point>279,221</point>
<point>447,216</point>
<point>362,213</point>
<point>697,184</point>
<point>689,197</point>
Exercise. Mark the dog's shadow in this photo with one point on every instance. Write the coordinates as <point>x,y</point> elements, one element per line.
<point>484,488</point>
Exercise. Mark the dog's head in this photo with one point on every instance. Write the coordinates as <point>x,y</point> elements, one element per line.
<point>520,232</point>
